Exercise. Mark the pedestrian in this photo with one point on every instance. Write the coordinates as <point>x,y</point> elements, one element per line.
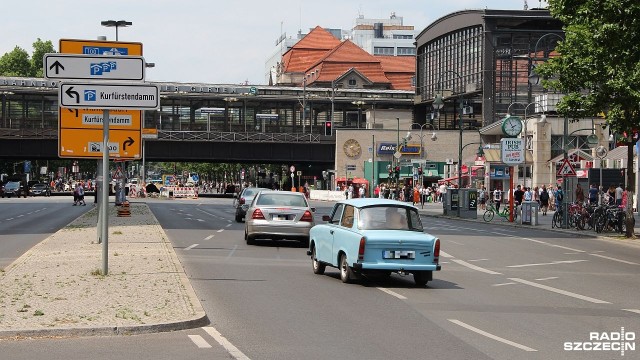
<point>559,195</point>
<point>611,195</point>
<point>416,195</point>
<point>361,192</point>
<point>75,196</point>
<point>593,195</point>
<point>579,194</point>
<point>518,195</point>
<point>497,198</point>
<point>80,190</point>
<point>482,196</point>
<point>528,194</point>
<point>544,201</point>
<point>619,191</point>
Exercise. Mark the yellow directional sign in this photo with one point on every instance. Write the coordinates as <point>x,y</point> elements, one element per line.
<point>92,119</point>
<point>80,130</point>
<point>87,143</point>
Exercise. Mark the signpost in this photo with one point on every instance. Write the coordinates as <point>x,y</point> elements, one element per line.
<point>511,152</point>
<point>80,97</point>
<point>93,67</point>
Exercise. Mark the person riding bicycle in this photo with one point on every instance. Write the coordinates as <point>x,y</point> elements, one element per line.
<point>497,198</point>
<point>559,195</point>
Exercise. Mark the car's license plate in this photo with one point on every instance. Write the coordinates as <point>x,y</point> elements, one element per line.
<point>399,254</point>
<point>280,217</point>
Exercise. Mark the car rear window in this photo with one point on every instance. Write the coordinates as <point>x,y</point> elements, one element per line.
<point>248,192</point>
<point>389,218</point>
<point>282,200</point>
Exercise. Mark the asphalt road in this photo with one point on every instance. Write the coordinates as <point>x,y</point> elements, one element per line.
<point>503,293</point>
<point>24,222</point>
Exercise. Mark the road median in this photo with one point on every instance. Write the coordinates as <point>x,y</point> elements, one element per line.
<point>57,289</point>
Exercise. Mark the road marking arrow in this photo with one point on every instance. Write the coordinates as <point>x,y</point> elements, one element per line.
<point>127,142</point>
<point>73,94</point>
<point>57,66</point>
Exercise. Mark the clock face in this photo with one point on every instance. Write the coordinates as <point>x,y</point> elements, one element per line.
<point>512,126</point>
<point>352,148</point>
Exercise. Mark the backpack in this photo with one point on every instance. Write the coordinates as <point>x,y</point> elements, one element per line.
<point>544,196</point>
<point>559,195</point>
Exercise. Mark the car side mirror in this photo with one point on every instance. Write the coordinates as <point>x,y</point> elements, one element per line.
<point>326,218</point>
<point>313,209</point>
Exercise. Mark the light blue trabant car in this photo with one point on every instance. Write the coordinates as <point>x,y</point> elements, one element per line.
<point>374,236</point>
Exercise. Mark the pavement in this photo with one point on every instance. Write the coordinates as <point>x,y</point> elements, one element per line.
<point>56,289</point>
<point>544,223</point>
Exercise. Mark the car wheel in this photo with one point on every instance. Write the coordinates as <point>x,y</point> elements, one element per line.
<point>421,278</point>
<point>238,218</point>
<point>318,267</point>
<point>346,274</point>
<point>249,239</point>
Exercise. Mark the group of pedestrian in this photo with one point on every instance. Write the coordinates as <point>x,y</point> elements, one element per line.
<point>78,195</point>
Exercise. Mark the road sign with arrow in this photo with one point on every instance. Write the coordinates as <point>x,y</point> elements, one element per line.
<point>139,96</point>
<point>93,67</point>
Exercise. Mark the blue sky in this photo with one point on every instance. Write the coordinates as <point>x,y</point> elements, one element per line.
<point>210,41</point>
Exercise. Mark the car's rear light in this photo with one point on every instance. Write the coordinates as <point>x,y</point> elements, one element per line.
<point>436,251</point>
<point>241,201</point>
<point>361,249</point>
<point>257,215</point>
<point>307,216</point>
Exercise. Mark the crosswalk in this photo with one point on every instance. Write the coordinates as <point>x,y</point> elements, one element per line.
<point>202,343</point>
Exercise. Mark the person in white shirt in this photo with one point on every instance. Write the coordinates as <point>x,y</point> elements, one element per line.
<point>443,190</point>
<point>497,198</point>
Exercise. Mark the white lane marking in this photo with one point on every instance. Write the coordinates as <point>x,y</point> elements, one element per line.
<point>551,263</point>
<point>392,293</point>
<point>614,259</point>
<point>228,220</point>
<point>571,253</point>
<point>567,248</point>
<point>474,267</point>
<point>232,350</point>
<point>208,213</point>
<point>191,247</point>
<point>209,237</point>
<point>559,291</point>
<point>199,341</point>
<point>503,284</point>
<point>632,310</point>
<point>221,230</point>
<point>444,262</point>
<point>29,213</point>
<point>9,219</point>
<point>599,251</point>
<point>540,242</point>
<point>454,242</point>
<point>444,254</point>
<point>200,220</point>
<point>479,260</point>
<point>228,225</point>
<point>188,214</point>
<point>491,336</point>
<point>547,278</point>
<point>232,251</point>
<point>20,215</point>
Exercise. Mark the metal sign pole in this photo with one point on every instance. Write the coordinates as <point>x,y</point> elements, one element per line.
<point>104,230</point>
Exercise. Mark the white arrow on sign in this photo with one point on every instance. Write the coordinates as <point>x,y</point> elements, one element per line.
<point>132,96</point>
<point>93,67</point>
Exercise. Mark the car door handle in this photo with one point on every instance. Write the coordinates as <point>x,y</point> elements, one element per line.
<point>331,232</point>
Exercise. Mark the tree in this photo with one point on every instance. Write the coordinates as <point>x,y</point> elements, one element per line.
<point>19,63</point>
<point>39,49</point>
<point>598,68</point>
<point>15,63</point>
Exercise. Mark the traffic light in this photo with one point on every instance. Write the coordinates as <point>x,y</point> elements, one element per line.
<point>328,128</point>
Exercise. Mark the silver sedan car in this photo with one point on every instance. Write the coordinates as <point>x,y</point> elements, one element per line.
<point>278,215</point>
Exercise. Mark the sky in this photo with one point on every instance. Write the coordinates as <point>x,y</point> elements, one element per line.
<point>210,41</point>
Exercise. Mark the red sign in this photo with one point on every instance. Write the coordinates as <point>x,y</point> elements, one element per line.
<point>566,169</point>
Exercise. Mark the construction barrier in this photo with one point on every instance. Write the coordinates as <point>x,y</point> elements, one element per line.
<point>179,192</point>
<point>326,195</point>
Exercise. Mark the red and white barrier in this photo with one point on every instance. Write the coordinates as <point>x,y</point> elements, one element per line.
<point>182,192</point>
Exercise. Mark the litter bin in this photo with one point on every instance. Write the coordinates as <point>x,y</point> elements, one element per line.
<point>529,212</point>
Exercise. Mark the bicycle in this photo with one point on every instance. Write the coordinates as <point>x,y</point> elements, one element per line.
<point>492,211</point>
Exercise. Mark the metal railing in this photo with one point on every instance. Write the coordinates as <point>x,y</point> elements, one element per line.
<point>239,136</point>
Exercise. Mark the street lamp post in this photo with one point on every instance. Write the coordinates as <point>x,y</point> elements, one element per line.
<point>116,24</point>
<point>438,103</point>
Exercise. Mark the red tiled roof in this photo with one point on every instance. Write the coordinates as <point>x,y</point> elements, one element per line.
<point>308,50</point>
<point>398,64</point>
<point>344,57</point>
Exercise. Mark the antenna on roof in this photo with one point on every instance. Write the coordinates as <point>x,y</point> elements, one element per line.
<point>526,6</point>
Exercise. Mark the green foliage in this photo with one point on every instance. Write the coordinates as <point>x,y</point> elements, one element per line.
<point>18,62</point>
<point>15,63</point>
<point>599,64</point>
<point>39,49</point>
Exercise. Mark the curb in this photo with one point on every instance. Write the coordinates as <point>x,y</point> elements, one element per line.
<point>199,321</point>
